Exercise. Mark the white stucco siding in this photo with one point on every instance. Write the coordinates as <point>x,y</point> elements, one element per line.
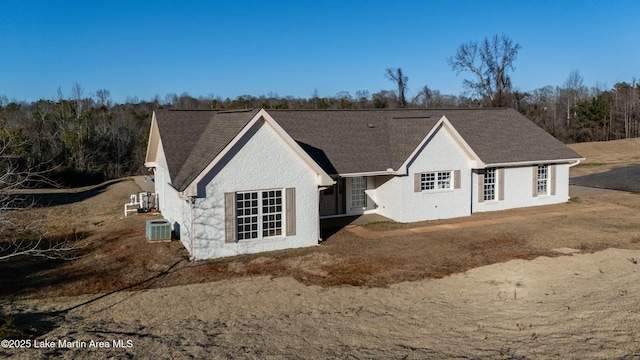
<point>162,178</point>
<point>518,189</point>
<point>171,207</point>
<point>260,161</point>
<point>399,201</point>
<point>389,203</point>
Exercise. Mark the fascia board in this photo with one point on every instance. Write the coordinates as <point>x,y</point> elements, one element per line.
<point>370,173</point>
<point>154,125</point>
<point>443,122</point>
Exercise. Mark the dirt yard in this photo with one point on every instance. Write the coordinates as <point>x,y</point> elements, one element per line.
<point>494,285</point>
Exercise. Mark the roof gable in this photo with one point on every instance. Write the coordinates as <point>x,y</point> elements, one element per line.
<point>443,125</point>
<point>194,140</point>
<point>200,171</point>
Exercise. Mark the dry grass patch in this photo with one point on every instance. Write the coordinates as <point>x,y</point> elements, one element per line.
<point>386,225</point>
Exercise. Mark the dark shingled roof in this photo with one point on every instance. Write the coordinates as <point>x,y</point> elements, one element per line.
<point>506,136</point>
<point>346,138</point>
<point>356,141</point>
<point>192,139</point>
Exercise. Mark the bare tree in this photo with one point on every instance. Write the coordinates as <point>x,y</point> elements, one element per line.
<point>19,235</point>
<point>76,95</point>
<point>490,62</point>
<point>625,104</point>
<point>575,92</point>
<point>104,98</point>
<point>424,97</point>
<point>362,96</point>
<point>396,76</point>
<point>381,99</point>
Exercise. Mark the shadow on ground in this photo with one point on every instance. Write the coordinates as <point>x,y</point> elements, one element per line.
<point>328,227</point>
<point>34,324</point>
<point>624,178</point>
<point>53,197</point>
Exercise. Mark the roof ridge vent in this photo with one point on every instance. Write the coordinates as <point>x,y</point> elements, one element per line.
<point>411,117</point>
<point>235,111</point>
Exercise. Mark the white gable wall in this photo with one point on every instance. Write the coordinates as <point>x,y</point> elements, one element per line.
<point>440,153</point>
<point>518,189</point>
<point>261,161</point>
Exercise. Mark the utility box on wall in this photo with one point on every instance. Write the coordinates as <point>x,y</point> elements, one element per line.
<point>158,230</point>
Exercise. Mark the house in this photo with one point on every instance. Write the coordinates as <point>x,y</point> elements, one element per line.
<point>234,182</point>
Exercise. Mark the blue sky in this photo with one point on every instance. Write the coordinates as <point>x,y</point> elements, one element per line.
<point>291,48</point>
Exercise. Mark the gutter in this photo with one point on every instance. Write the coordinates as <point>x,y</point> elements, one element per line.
<point>193,228</point>
<point>576,163</point>
<point>534,162</point>
<point>372,173</point>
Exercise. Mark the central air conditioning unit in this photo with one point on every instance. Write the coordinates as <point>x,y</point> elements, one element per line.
<point>158,230</point>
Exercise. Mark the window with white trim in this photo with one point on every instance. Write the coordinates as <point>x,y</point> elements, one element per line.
<point>358,186</point>
<point>258,214</point>
<point>436,180</point>
<point>490,184</point>
<point>543,179</point>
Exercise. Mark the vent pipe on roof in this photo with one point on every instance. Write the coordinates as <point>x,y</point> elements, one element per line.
<point>370,126</point>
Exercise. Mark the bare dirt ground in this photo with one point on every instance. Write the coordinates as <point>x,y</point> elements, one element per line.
<point>489,286</point>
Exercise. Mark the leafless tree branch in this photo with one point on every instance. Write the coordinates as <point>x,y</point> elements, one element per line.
<point>490,62</point>
<point>396,76</point>
<point>19,234</point>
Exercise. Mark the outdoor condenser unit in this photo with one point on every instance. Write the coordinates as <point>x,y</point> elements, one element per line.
<point>158,230</point>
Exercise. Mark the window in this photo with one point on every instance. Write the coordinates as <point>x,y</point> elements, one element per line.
<point>428,181</point>
<point>271,213</point>
<point>247,213</point>
<point>490,184</point>
<point>358,197</point>
<point>435,180</point>
<point>259,213</point>
<point>444,180</point>
<point>543,177</point>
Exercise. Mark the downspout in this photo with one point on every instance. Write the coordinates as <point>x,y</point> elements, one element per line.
<point>193,228</point>
<point>471,192</point>
<point>320,188</point>
<point>575,163</point>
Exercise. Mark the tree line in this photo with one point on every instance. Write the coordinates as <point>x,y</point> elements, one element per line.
<point>85,139</point>
<point>77,140</point>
